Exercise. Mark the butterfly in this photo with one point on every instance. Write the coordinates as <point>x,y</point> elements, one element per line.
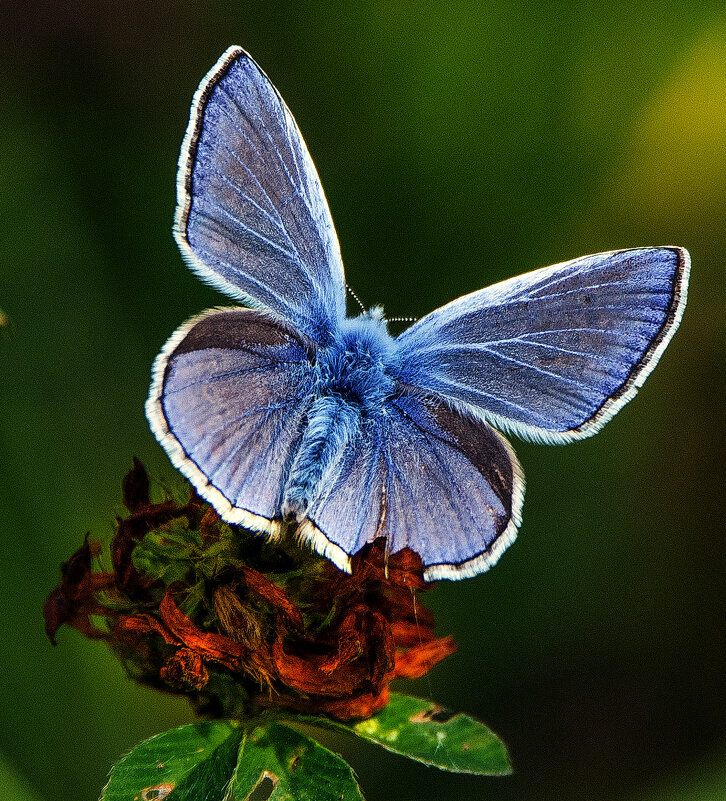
<point>290,412</point>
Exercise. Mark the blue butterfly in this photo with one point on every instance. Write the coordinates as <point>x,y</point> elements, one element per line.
<point>291,411</point>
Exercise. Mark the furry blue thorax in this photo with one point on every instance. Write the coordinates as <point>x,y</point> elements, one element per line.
<point>357,367</point>
<point>353,378</point>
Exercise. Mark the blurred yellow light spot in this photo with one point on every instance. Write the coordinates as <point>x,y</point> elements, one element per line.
<point>675,162</point>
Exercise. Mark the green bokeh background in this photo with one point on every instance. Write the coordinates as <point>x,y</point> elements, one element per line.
<point>459,144</point>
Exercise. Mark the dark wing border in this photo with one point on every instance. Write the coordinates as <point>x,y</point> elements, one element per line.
<point>185,171</point>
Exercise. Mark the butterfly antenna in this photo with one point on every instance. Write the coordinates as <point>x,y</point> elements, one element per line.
<point>402,319</point>
<point>356,298</point>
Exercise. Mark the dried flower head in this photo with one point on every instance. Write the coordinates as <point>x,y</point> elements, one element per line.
<point>194,606</point>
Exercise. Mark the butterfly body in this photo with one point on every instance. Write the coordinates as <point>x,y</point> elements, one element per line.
<point>289,410</point>
<point>352,380</point>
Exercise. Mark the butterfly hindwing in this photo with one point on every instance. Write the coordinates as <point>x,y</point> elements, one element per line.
<point>553,354</point>
<point>446,486</point>
<point>252,218</point>
<point>228,401</point>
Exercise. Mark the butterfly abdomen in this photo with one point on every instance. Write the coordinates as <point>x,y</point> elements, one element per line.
<point>331,425</point>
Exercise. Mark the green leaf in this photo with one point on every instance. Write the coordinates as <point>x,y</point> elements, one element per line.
<point>426,732</point>
<point>280,764</point>
<point>186,764</point>
<point>215,761</point>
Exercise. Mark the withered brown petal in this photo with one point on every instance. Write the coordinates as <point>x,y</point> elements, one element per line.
<point>77,568</point>
<point>405,569</point>
<point>417,661</point>
<point>56,611</point>
<point>303,674</point>
<point>407,633</point>
<point>305,670</point>
<point>135,487</point>
<point>368,563</point>
<point>350,643</point>
<point>380,639</point>
<point>211,647</point>
<point>185,670</point>
<point>274,596</point>
<point>65,601</point>
<point>136,626</point>
<point>401,569</point>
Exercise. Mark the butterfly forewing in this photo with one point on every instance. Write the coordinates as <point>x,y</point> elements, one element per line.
<point>252,218</point>
<point>553,354</point>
